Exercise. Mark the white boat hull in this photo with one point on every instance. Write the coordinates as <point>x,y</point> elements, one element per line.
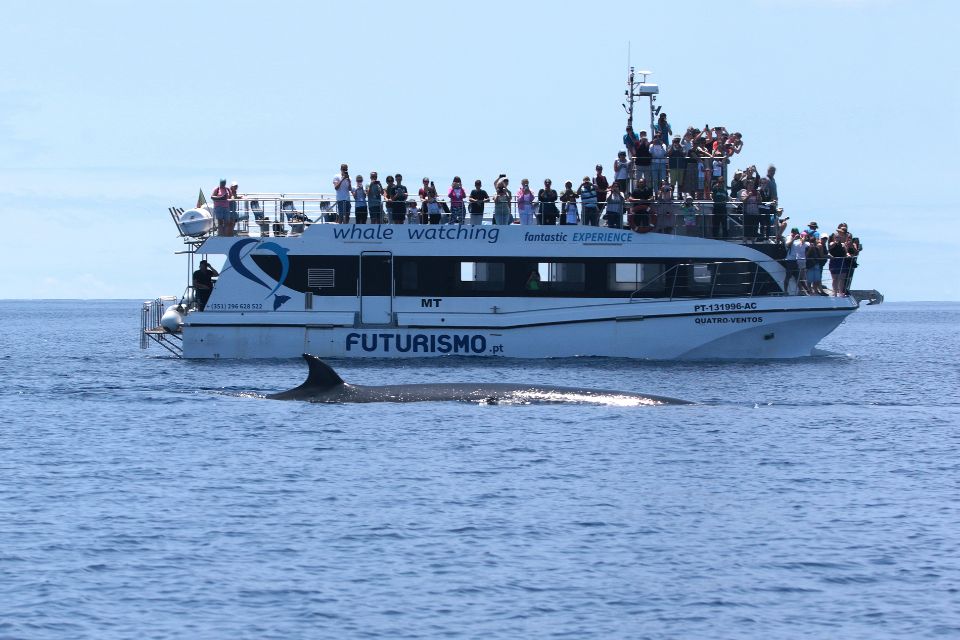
<point>733,328</point>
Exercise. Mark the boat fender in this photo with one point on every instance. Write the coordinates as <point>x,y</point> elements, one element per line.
<point>172,319</point>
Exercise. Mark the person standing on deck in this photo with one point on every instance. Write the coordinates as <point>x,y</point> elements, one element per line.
<point>525,203</point>
<point>642,159</point>
<point>771,183</point>
<point>621,171</point>
<point>719,221</point>
<point>603,188</point>
<point>547,197</point>
<point>221,208</point>
<point>569,214</point>
<point>457,194</point>
<point>360,197</point>
<point>342,185</point>
<point>234,205</point>
<point>588,197</point>
<point>662,129</point>
<point>614,209</point>
<point>375,199</point>
<point>203,283</point>
<point>658,153</point>
<point>501,203</point>
<point>631,141</point>
<point>478,197</point>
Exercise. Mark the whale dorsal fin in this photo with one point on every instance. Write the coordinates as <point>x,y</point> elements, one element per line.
<point>321,374</point>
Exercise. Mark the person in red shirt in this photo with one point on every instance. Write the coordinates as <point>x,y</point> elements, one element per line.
<point>603,187</point>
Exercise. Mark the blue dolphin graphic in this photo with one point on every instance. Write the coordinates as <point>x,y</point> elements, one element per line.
<point>280,252</point>
<point>234,257</point>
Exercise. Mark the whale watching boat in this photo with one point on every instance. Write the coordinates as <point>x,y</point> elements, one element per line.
<point>292,281</point>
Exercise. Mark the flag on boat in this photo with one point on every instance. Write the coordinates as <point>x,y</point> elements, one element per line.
<point>201,201</point>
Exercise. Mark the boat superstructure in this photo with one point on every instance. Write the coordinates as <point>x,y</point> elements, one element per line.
<point>422,290</point>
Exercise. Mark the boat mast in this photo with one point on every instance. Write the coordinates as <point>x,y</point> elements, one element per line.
<point>639,89</point>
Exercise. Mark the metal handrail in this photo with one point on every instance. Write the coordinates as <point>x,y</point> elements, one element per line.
<point>299,210</point>
<point>715,268</point>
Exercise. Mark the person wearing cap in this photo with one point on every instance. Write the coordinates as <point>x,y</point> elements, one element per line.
<point>221,208</point>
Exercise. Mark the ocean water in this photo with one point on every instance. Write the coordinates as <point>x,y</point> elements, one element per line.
<point>143,496</point>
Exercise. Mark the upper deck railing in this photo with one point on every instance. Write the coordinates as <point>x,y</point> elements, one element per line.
<point>285,214</point>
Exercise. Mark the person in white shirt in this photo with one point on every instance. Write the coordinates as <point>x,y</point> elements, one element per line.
<point>796,262</point>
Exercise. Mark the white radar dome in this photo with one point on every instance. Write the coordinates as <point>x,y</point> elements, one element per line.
<point>196,222</point>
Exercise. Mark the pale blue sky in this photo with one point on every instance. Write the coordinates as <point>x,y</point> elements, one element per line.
<point>110,112</point>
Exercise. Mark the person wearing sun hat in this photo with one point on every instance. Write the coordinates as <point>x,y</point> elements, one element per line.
<point>812,231</point>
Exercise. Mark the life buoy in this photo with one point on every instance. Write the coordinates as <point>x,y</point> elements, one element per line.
<point>651,220</point>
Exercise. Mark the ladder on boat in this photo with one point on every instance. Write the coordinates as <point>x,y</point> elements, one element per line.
<point>152,331</point>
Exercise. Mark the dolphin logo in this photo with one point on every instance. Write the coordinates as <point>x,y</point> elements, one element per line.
<point>236,261</point>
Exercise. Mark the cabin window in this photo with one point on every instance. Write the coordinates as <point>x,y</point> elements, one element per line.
<point>700,277</point>
<point>643,278</point>
<point>482,276</point>
<point>562,276</point>
<point>408,276</point>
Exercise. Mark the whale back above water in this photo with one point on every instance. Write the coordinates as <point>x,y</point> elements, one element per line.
<point>323,384</point>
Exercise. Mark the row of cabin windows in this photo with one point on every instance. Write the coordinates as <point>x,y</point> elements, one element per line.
<point>604,278</point>
<point>445,276</point>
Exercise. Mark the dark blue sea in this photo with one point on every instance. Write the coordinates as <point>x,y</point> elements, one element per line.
<point>147,497</point>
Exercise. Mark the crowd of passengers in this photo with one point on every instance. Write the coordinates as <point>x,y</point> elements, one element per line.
<point>667,181</point>
<point>809,251</point>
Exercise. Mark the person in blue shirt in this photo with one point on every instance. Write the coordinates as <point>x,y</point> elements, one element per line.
<point>662,128</point>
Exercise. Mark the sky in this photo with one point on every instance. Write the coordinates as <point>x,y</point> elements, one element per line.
<point>110,112</point>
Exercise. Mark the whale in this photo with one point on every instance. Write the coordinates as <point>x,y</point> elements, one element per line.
<point>323,384</point>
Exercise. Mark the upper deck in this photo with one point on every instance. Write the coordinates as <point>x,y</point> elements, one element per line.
<point>313,217</point>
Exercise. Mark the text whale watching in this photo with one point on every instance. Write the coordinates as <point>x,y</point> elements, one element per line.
<point>675,255</point>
